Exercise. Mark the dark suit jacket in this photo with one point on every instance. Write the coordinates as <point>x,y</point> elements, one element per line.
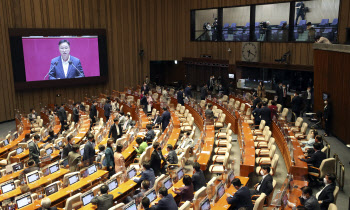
<point>204,93</point>
<point>198,180</point>
<point>297,103</point>
<point>30,169</point>
<point>165,119</point>
<point>326,196</point>
<point>265,114</point>
<point>188,92</point>
<point>311,203</point>
<point>62,115</point>
<point>316,159</point>
<point>144,101</point>
<point>241,199</point>
<point>157,120</point>
<point>209,114</point>
<point>103,202</point>
<point>149,135</point>
<point>34,152</point>
<point>156,162</point>
<point>166,203</point>
<point>114,133</point>
<point>146,90</point>
<point>89,153</point>
<point>256,114</point>
<point>107,108</point>
<point>327,112</point>
<point>75,114</point>
<point>266,185</point>
<point>279,93</point>
<point>147,175</point>
<point>66,150</point>
<point>93,112</point>
<point>255,103</point>
<point>180,98</point>
<point>172,157</point>
<point>58,73</point>
<point>109,157</point>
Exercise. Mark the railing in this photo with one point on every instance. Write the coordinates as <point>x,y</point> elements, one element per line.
<point>339,171</point>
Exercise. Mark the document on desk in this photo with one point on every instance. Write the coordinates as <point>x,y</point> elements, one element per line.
<point>206,152</point>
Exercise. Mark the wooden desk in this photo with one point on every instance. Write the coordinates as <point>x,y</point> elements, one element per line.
<point>248,157</point>
<point>222,203</point>
<point>207,147</point>
<point>84,129</point>
<point>10,176</point>
<point>12,144</point>
<point>25,154</point>
<point>40,183</point>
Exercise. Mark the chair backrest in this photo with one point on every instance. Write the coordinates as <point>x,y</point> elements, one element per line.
<point>262,125</point>
<point>272,151</point>
<point>271,142</point>
<point>71,200</point>
<point>225,98</point>
<point>158,181</point>
<point>228,126</point>
<point>285,112</point>
<point>327,166</point>
<point>332,206</point>
<point>279,108</point>
<point>304,127</point>
<point>269,198</point>
<point>185,206</point>
<point>200,192</point>
<point>274,163</point>
<point>96,189</point>
<point>259,203</point>
<point>148,153</point>
<point>298,122</point>
<point>242,107</point>
<point>249,111</point>
<point>12,153</point>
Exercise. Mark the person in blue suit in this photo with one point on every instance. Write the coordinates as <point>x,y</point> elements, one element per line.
<point>165,118</point>
<point>241,198</point>
<point>65,66</point>
<point>166,201</point>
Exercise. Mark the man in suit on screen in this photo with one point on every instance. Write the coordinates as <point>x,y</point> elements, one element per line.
<point>65,66</point>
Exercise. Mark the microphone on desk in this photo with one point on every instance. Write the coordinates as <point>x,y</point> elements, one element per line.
<point>54,64</point>
<point>71,63</point>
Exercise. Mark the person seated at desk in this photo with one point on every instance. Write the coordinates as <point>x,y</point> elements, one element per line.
<point>156,159</point>
<point>241,198</point>
<point>150,133</point>
<point>31,167</point>
<point>307,200</point>
<point>104,200</point>
<point>122,118</point>
<point>209,114</point>
<point>156,120</point>
<point>166,201</point>
<point>46,204</point>
<point>127,123</point>
<point>51,137</point>
<point>198,178</point>
<point>325,196</point>
<point>171,157</point>
<point>265,185</point>
<point>74,158</point>
<point>142,146</point>
<point>146,174</point>
<point>309,145</point>
<point>185,141</point>
<point>26,138</point>
<point>139,194</point>
<point>186,192</point>
<point>315,160</point>
<point>146,203</point>
<point>32,115</point>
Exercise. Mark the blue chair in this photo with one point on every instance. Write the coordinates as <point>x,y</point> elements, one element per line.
<point>324,23</point>
<point>334,23</point>
<point>238,35</point>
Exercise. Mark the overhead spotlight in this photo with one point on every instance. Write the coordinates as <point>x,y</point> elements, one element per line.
<point>175,61</point>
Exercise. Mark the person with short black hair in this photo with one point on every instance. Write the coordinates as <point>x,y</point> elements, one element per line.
<point>171,157</point>
<point>204,91</point>
<point>186,192</point>
<point>165,119</point>
<point>109,156</point>
<point>150,133</point>
<point>156,159</point>
<point>101,152</point>
<point>307,200</point>
<point>147,174</point>
<point>34,151</point>
<point>145,204</point>
<point>166,201</point>
<point>297,103</point>
<point>241,198</point>
<point>107,108</point>
<point>51,137</point>
<point>68,146</point>
<point>188,92</point>
<point>256,114</point>
<point>104,200</point>
<point>209,114</point>
<point>26,137</point>
<point>265,114</point>
<point>93,113</point>
<point>325,195</point>
<point>31,167</point>
<point>89,151</point>
<point>198,178</point>
<point>74,158</point>
<point>142,146</point>
<point>265,185</point>
<point>32,115</point>
<point>116,130</point>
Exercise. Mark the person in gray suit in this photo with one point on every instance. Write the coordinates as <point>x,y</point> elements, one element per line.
<point>308,200</point>
<point>171,157</point>
<point>104,200</point>
<point>74,158</point>
<point>150,133</point>
<point>209,114</point>
<point>34,151</point>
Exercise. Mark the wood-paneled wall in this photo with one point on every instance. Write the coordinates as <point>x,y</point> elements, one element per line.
<point>160,27</point>
<point>332,76</point>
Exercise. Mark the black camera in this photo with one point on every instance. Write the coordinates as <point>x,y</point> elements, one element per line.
<point>263,24</point>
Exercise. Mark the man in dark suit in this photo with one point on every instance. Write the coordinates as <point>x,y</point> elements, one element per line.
<point>32,115</point>
<point>104,200</point>
<point>144,88</point>
<point>145,204</point>
<point>93,113</point>
<point>150,133</point>
<point>188,92</point>
<point>171,157</point>
<point>62,115</point>
<point>165,118</point>
<point>284,95</point>
<point>166,201</point>
<point>76,113</point>
<point>211,83</point>
<point>146,174</point>
<point>265,185</point>
<point>325,196</point>
<point>307,200</point>
<point>46,204</point>
<point>297,103</point>
<point>65,66</point>
<point>89,151</point>
<point>68,147</point>
<point>116,130</point>
<point>156,159</point>
<point>315,160</point>
<point>265,114</point>
<point>279,93</point>
<point>327,117</point>
<point>180,97</point>
<point>108,108</point>
<point>209,114</point>
<point>241,198</point>
<point>204,92</point>
<point>255,101</point>
<point>198,178</point>
<point>34,151</point>
<point>256,114</point>
<point>144,103</point>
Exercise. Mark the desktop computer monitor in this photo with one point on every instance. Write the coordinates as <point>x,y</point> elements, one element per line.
<point>59,143</point>
<point>168,183</point>
<point>82,151</point>
<point>54,168</point>
<point>151,195</point>
<point>180,173</point>
<point>130,206</point>
<point>51,189</point>
<point>112,184</point>
<point>33,177</point>
<point>87,197</point>
<point>17,167</point>
<point>205,204</point>
<point>19,150</point>
<point>230,177</point>
<point>8,187</point>
<point>15,135</point>
<point>131,173</point>
<point>73,179</point>
<point>92,169</point>
<point>49,151</point>
<point>220,190</point>
<point>23,201</point>
<point>6,142</point>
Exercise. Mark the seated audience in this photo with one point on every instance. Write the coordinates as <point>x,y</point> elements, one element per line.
<point>145,186</point>
<point>241,198</point>
<point>104,200</point>
<point>156,159</point>
<point>51,137</point>
<point>166,201</point>
<point>146,174</point>
<point>325,195</point>
<point>142,146</point>
<point>198,178</point>
<point>31,167</point>
<point>185,141</point>
<point>116,130</point>
<point>74,158</point>
<point>186,192</point>
<point>156,120</point>
<point>307,200</point>
<point>146,203</point>
<point>171,157</point>
<point>46,204</point>
<point>265,185</point>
